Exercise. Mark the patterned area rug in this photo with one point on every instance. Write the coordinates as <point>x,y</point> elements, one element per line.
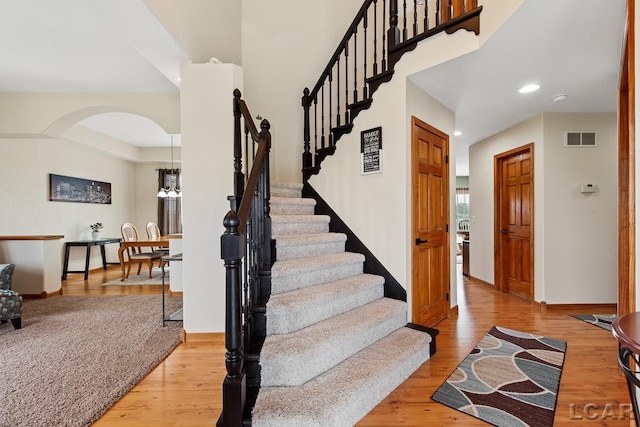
<point>509,379</point>
<point>603,321</point>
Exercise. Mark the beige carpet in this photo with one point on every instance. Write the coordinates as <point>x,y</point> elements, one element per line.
<point>142,278</point>
<point>76,356</point>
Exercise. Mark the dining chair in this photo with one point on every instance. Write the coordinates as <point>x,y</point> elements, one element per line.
<point>153,233</point>
<point>135,254</point>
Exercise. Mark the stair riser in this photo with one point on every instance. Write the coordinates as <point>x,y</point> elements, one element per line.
<point>305,279</point>
<point>285,192</point>
<point>305,251</point>
<point>293,369</point>
<point>287,319</point>
<point>291,209</point>
<point>289,228</point>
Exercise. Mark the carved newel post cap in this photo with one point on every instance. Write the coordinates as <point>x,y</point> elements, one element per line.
<point>237,93</point>
<point>231,221</point>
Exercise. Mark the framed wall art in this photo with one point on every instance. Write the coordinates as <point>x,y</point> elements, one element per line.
<point>78,190</point>
<point>371,151</point>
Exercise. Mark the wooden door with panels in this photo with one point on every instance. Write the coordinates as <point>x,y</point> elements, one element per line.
<point>430,216</point>
<point>514,255</point>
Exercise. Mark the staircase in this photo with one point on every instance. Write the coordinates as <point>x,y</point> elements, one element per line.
<point>332,336</point>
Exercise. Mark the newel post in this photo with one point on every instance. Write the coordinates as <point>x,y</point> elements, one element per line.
<point>265,127</point>
<point>307,158</point>
<point>238,176</point>
<point>234,387</point>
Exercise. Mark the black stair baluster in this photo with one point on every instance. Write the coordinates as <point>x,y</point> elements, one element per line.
<point>338,118</point>
<point>426,16</point>
<point>415,18</point>
<point>315,124</point>
<point>404,20</point>
<point>438,14</point>
<point>355,65</point>
<point>365,93</point>
<point>330,107</point>
<point>384,34</point>
<point>375,37</point>
<point>346,82</point>
<point>322,141</point>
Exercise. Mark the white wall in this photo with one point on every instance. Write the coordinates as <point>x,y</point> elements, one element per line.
<point>207,172</point>
<point>575,235</point>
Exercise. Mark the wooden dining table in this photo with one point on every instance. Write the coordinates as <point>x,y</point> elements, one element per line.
<point>162,242</point>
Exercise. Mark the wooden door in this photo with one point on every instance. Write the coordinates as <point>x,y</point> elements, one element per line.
<point>430,213</point>
<point>514,230</point>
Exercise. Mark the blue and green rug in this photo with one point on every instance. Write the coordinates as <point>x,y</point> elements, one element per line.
<point>509,379</point>
<point>603,321</point>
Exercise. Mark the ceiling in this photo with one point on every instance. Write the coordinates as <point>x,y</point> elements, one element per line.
<point>568,47</point>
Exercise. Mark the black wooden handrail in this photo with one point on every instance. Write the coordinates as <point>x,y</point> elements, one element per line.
<point>246,251</point>
<point>387,32</point>
<point>354,25</point>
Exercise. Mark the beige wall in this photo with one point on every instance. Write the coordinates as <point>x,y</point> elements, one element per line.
<point>27,210</point>
<point>575,234</point>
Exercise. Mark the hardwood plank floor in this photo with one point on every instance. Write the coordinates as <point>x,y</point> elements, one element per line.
<point>185,389</point>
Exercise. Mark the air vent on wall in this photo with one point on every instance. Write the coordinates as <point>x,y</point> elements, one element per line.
<point>580,139</point>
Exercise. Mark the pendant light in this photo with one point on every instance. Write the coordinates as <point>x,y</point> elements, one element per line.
<point>172,191</point>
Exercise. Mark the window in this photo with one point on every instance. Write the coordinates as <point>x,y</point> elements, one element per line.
<point>462,203</point>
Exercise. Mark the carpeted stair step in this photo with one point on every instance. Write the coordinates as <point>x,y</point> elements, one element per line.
<point>299,273</point>
<point>298,224</point>
<point>292,206</point>
<point>347,392</point>
<point>292,311</point>
<point>308,245</point>
<point>284,189</point>
<point>293,359</point>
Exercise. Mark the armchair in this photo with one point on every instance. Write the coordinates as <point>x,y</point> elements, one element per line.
<point>10,301</point>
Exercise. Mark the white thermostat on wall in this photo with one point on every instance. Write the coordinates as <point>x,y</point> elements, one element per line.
<point>588,188</point>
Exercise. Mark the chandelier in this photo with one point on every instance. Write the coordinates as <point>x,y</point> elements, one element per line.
<point>172,191</point>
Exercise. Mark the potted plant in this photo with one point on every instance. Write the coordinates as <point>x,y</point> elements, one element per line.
<point>95,230</point>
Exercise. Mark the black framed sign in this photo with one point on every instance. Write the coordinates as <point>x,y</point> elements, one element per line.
<point>79,190</point>
<point>371,151</point>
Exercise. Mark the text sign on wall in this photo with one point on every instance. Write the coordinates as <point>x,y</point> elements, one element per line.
<point>371,151</point>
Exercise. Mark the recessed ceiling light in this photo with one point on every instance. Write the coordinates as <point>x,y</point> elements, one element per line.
<point>457,133</point>
<point>560,97</point>
<point>529,88</point>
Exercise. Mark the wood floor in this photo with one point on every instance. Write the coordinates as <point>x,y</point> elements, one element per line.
<point>185,390</point>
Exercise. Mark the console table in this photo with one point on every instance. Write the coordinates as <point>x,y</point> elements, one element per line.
<point>87,244</point>
<point>177,316</point>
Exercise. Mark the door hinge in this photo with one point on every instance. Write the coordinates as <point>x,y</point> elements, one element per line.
<point>447,228</point>
<point>446,159</point>
<point>447,296</point>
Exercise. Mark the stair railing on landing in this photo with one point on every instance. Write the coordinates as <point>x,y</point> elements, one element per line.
<point>343,90</point>
<point>247,254</point>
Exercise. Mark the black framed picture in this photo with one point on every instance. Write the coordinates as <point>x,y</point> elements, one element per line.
<point>371,151</point>
<point>78,190</point>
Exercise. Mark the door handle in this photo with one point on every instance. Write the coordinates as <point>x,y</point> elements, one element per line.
<point>503,231</point>
<point>419,241</point>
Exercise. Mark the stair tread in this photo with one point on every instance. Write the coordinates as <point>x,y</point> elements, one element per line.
<point>294,358</point>
<point>344,394</point>
<point>294,310</point>
<point>321,262</point>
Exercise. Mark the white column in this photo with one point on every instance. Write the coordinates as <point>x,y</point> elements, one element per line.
<point>206,107</point>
